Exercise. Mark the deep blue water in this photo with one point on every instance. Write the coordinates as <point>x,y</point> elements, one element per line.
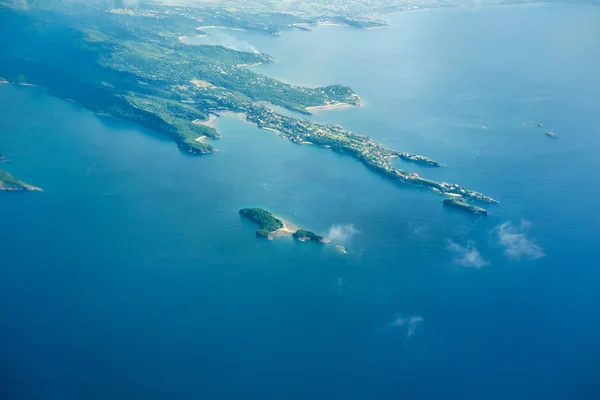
<point>132,275</point>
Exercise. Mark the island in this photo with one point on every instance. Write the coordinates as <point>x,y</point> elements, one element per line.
<point>304,235</point>
<point>459,203</point>
<point>129,63</point>
<point>10,183</point>
<point>552,135</point>
<point>271,226</point>
<point>341,249</point>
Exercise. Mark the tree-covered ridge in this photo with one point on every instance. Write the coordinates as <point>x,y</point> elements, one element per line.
<point>268,222</point>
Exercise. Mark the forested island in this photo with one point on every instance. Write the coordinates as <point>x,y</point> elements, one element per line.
<point>267,222</point>
<point>129,63</point>
<point>304,235</point>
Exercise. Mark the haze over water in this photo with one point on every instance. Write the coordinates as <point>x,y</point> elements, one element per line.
<point>132,275</point>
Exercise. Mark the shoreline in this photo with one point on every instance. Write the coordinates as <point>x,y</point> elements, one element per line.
<point>184,37</point>
<point>219,27</point>
<point>249,65</point>
<point>327,107</point>
<point>211,122</point>
<point>331,24</point>
<point>288,229</point>
<point>272,130</point>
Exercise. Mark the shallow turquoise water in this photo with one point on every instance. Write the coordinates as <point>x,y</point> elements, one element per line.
<point>133,276</point>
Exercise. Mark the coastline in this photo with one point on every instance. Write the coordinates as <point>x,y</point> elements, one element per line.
<point>249,65</point>
<point>25,188</point>
<point>288,229</point>
<point>184,37</point>
<point>272,130</point>
<point>335,106</point>
<point>219,27</point>
<point>331,24</point>
<point>211,122</point>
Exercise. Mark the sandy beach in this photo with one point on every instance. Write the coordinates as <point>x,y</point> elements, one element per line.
<point>372,28</point>
<point>287,230</point>
<point>335,106</point>
<point>200,28</point>
<point>272,130</point>
<point>183,38</point>
<point>249,65</point>
<point>330,24</point>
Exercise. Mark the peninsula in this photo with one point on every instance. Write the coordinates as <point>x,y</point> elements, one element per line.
<point>10,183</point>
<point>459,203</point>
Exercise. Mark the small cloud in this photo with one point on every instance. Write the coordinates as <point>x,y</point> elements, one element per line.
<point>467,256</point>
<point>516,243</point>
<point>410,323</point>
<point>342,233</point>
<point>421,230</point>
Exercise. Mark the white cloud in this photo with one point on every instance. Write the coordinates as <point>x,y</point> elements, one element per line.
<point>467,256</point>
<point>516,243</point>
<point>342,233</point>
<point>410,323</point>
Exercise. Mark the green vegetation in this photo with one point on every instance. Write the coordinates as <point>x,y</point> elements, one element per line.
<point>302,234</point>
<point>463,205</point>
<point>130,64</point>
<point>268,222</point>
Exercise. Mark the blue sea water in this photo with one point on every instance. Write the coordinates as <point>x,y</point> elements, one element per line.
<point>132,275</point>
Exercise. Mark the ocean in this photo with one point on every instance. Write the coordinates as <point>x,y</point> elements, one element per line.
<point>133,276</point>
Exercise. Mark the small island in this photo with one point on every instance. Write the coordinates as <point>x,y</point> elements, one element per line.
<point>10,183</point>
<point>459,203</point>
<point>552,135</point>
<point>304,235</point>
<point>270,226</point>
